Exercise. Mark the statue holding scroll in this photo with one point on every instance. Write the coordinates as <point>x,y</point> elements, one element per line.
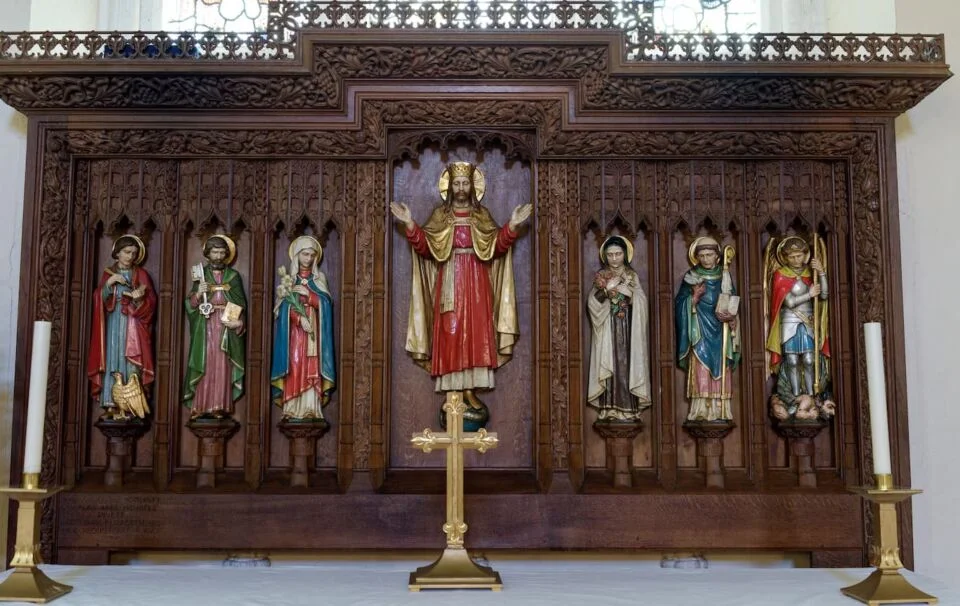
<point>462,323</point>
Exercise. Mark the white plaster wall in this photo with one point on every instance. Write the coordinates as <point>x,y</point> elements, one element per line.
<point>835,16</point>
<point>63,15</point>
<point>15,16</point>
<point>20,15</point>
<point>130,15</point>
<point>929,191</point>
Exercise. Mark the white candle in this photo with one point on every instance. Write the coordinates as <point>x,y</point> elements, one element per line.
<point>33,451</point>
<point>876,383</point>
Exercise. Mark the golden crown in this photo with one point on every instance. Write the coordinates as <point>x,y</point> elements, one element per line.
<point>795,244</point>
<point>461,169</point>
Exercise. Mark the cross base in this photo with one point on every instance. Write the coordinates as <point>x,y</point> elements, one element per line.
<point>455,569</point>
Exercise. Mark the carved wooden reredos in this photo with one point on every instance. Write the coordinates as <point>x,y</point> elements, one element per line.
<point>314,129</point>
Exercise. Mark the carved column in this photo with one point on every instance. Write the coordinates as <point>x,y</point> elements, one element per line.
<point>566,182</point>
<point>169,324</point>
<point>666,354</point>
<point>709,436</point>
<point>750,277</point>
<point>334,186</point>
<point>76,360</point>
<point>259,324</point>
<point>372,335</point>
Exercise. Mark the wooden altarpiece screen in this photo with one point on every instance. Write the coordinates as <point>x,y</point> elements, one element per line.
<point>316,126</point>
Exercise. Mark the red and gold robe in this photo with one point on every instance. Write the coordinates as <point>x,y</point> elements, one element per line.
<point>463,314</point>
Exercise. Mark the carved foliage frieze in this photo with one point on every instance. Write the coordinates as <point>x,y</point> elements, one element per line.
<point>585,67</point>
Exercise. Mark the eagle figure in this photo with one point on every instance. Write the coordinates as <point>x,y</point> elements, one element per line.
<point>129,398</point>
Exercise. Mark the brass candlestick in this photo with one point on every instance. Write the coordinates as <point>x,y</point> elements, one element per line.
<point>886,585</point>
<point>455,569</point>
<point>28,583</point>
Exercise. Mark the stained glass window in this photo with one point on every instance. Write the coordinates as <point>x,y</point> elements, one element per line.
<point>669,16</point>
<point>215,15</point>
<point>706,16</point>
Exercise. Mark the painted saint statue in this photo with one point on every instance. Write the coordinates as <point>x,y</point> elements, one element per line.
<point>618,384</point>
<point>120,361</point>
<point>797,344</point>
<point>215,309</point>
<point>462,323</point>
<point>708,343</point>
<point>303,372</point>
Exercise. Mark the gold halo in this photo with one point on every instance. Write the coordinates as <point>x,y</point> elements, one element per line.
<point>141,254</point>
<point>692,251</point>
<point>231,247</point>
<point>479,182</point>
<point>622,239</point>
<point>315,242</point>
<point>783,261</point>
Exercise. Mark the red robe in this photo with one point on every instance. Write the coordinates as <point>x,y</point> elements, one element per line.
<point>304,369</point>
<point>139,346</point>
<point>463,338</point>
<point>782,284</point>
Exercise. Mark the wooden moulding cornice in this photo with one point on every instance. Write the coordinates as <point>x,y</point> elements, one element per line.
<point>329,62</point>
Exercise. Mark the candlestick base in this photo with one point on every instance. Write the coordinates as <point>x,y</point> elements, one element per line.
<point>28,583</point>
<point>886,585</point>
<point>455,569</point>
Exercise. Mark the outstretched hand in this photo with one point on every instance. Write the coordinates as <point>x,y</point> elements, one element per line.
<point>519,215</point>
<point>402,213</point>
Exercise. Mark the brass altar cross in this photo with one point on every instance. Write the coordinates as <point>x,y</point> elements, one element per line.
<point>455,569</point>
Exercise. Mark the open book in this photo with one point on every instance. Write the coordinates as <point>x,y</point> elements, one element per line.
<point>728,303</point>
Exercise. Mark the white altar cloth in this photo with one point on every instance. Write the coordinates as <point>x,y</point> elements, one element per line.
<point>525,582</point>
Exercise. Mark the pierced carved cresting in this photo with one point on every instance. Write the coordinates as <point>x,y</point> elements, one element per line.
<point>896,69</point>
<point>634,19</point>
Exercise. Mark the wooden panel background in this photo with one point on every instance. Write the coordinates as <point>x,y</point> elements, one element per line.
<point>593,144</point>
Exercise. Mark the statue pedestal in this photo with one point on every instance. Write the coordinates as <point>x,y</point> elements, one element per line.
<point>121,436</point>
<point>303,438</point>
<point>619,439</point>
<point>800,435</point>
<point>709,436</point>
<point>213,435</point>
